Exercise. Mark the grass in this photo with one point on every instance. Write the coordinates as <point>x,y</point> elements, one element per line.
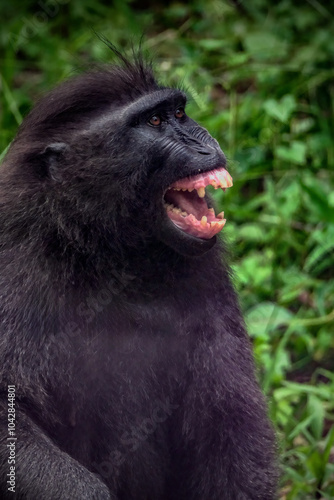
<point>260,77</point>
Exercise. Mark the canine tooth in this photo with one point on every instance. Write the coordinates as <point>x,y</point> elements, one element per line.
<point>220,216</point>
<point>201,192</point>
<point>204,220</point>
<point>211,210</point>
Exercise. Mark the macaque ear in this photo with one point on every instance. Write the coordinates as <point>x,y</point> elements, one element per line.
<point>51,159</point>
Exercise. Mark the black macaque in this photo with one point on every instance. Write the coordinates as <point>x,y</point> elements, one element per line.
<point>126,372</point>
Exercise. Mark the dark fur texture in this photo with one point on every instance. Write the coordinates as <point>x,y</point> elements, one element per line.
<point>133,372</point>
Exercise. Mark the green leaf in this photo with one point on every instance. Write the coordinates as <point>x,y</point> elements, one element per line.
<point>252,232</point>
<point>317,412</point>
<point>280,110</point>
<point>265,45</point>
<point>266,317</point>
<point>295,153</point>
<point>329,444</point>
<point>212,44</point>
<point>318,197</point>
<point>315,464</point>
<point>301,427</point>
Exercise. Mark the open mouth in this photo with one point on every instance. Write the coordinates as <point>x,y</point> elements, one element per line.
<point>186,205</point>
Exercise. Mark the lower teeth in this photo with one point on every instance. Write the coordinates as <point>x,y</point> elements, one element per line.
<point>203,221</point>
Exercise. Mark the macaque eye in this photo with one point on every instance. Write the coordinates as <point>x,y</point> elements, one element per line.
<point>155,120</point>
<point>179,113</point>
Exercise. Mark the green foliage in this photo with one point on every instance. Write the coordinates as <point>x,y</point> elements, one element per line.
<point>260,76</point>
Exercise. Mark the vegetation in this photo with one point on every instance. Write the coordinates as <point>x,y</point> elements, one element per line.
<point>261,79</point>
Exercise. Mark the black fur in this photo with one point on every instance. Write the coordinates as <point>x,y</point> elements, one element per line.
<point>133,373</point>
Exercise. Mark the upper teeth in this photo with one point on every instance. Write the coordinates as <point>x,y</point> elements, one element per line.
<point>201,192</point>
<point>182,189</point>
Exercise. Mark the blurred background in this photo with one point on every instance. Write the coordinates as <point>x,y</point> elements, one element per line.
<point>260,77</point>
